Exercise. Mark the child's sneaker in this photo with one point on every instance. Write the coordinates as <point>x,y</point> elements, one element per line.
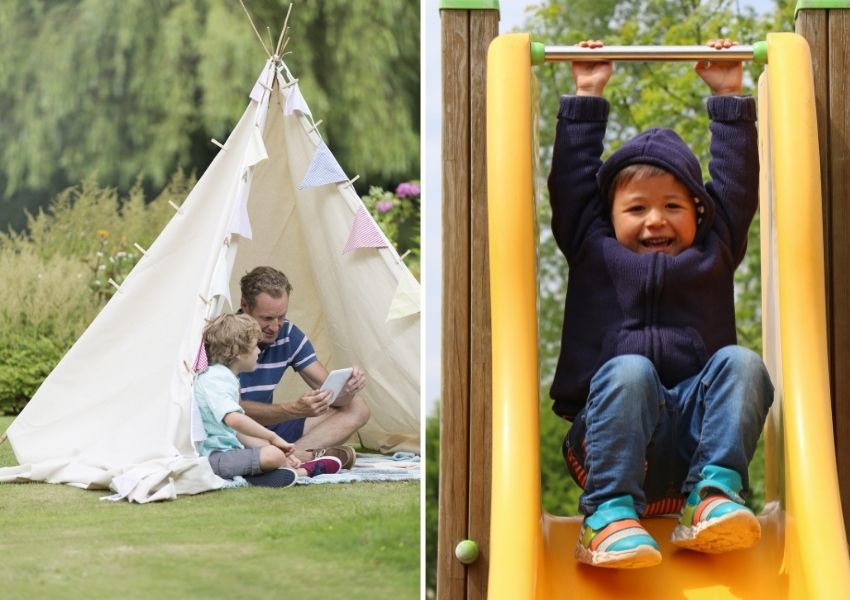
<point>277,478</point>
<point>714,518</point>
<point>327,465</point>
<point>613,537</point>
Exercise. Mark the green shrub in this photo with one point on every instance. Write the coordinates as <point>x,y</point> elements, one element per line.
<point>56,277</point>
<point>25,360</point>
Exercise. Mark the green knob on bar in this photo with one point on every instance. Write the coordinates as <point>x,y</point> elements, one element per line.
<point>760,53</point>
<point>538,53</point>
<point>466,551</point>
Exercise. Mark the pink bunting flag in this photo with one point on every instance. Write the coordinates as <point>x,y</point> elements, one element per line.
<point>364,233</point>
<point>201,362</point>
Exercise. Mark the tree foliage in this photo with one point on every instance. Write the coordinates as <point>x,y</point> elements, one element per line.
<point>130,88</point>
<point>642,95</point>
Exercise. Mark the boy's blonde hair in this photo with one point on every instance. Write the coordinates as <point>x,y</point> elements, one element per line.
<point>228,336</point>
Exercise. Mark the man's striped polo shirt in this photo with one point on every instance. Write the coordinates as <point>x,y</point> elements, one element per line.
<point>291,349</point>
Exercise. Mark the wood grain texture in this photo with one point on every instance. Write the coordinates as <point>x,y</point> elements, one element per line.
<point>838,27</point>
<point>484,26</point>
<point>454,397</point>
<point>826,32</point>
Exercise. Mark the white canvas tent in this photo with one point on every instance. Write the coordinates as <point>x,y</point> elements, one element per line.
<point>117,410</point>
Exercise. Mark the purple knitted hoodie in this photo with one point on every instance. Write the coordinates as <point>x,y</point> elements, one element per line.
<point>675,310</point>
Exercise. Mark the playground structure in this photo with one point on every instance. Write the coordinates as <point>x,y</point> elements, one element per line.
<point>527,553</point>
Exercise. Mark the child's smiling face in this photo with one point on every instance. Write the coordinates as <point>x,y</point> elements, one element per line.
<point>654,214</point>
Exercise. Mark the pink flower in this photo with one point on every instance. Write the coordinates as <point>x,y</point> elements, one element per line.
<point>384,206</point>
<point>408,190</point>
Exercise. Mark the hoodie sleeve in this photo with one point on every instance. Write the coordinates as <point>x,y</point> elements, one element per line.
<point>734,166</point>
<point>576,158</point>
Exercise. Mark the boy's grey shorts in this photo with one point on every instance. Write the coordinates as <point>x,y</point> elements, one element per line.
<point>240,461</point>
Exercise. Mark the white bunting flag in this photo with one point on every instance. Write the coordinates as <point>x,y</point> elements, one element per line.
<point>240,223</point>
<point>406,299</point>
<point>263,84</point>
<point>295,102</point>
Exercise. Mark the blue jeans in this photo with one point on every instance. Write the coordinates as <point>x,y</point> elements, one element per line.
<point>291,430</point>
<point>639,438</point>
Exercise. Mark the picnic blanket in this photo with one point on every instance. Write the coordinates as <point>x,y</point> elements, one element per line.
<point>373,467</point>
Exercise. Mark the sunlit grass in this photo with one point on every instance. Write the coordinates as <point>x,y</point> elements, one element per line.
<point>321,541</point>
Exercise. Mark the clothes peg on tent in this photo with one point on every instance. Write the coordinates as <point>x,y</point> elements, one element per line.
<point>205,300</point>
<point>289,84</point>
<point>403,256</point>
<point>114,284</point>
<point>175,207</point>
<point>315,126</point>
<point>219,144</point>
<point>138,247</point>
<point>350,182</point>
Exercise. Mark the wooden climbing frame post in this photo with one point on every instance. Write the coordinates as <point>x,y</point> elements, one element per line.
<point>467,27</point>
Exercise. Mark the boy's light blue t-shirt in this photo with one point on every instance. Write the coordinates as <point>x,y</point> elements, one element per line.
<point>216,391</point>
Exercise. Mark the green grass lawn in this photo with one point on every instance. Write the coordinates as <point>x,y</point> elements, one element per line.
<point>326,541</point>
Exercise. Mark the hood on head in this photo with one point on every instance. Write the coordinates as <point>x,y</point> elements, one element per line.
<point>662,148</point>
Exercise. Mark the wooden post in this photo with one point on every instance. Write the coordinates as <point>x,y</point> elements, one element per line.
<point>826,27</point>
<point>464,506</point>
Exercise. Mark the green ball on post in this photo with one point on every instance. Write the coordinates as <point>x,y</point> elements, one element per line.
<point>466,551</point>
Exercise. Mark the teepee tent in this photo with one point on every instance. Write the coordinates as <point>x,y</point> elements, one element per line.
<point>117,410</point>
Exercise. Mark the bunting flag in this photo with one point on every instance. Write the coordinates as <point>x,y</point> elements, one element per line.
<point>220,283</point>
<point>263,84</point>
<point>364,233</point>
<point>196,424</point>
<point>201,363</point>
<point>256,151</point>
<point>295,102</point>
<point>240,223</point>
<point>323,169</point>
<point>406,299</point>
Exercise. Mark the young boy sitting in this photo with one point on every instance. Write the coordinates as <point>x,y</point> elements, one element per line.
<point>236,444</point>
<point>666,408</point>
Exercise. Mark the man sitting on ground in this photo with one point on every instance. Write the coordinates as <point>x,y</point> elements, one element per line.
<point>311,423</point>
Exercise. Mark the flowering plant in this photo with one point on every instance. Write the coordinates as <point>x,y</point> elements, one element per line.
<point>397,214</point>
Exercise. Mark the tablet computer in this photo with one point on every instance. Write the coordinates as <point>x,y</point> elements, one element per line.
<point>335,381</point>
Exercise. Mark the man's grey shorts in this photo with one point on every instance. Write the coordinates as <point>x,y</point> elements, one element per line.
<point>241,461</point>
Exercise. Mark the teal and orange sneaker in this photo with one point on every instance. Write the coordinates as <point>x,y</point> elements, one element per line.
<point>613,537</point>
<point>714,518</point>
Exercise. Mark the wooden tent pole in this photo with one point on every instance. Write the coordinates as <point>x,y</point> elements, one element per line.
<point>254,27</point>
<point>277,49</point>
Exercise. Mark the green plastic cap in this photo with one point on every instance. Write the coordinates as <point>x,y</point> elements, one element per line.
<point>760,53</point>
<point>820,5</point>
<point>469,4</point>
<point>538,53</point>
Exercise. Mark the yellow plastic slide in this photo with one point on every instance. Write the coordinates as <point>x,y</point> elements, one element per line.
<point>803,552</point>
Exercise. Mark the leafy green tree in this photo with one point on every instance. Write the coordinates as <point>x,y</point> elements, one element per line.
<point>130,88</point>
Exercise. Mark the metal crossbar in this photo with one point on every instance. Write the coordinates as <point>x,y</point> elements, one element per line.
<point>650,53</point>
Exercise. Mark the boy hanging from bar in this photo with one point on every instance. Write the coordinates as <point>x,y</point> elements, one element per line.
<point>666,408</point>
